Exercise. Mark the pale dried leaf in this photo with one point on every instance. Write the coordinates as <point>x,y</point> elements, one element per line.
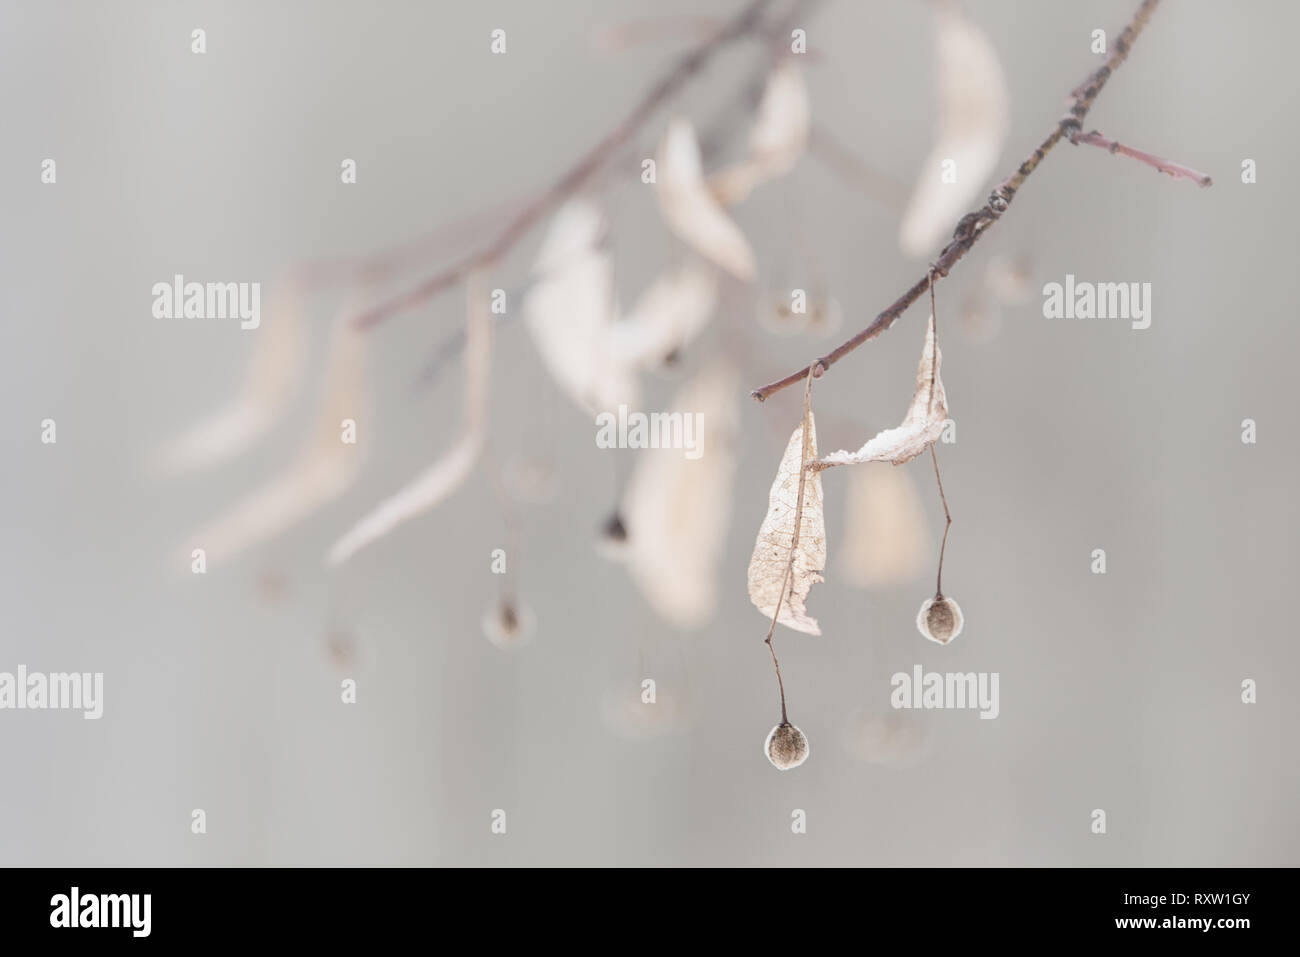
<point>973,119</point>
<point>691,210</point>
<point>667,317</point>
<point>676,509</point>
<point>324,468</point>
<point>570,309</point>
<point>886,540</point>
<point>448,473</point>
<point>768,582</point>
<point>777,141</point>
<point>275,370</point>
<point>923,423</point>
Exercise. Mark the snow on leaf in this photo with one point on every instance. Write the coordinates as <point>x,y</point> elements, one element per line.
<point>923,423</point>
<point>446,474</point>
<point>691,210</point>
<point>773,576</point>
<point>973,119</point>
<point>676,509</point>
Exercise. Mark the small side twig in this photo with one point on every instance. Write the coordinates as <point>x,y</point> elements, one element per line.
<point>1159,163</point>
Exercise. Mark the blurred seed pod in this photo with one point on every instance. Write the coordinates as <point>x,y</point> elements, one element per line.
<point>509,625</point>
<point>894,738</point>
<point>1008,279</point>
<point>611,539</point>
<point>628,716</point>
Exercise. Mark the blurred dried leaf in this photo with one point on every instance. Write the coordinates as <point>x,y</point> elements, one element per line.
<point>569,311</point>
<point>274,372</point>
<point>973,119</point>
<point>691,210</point>
<point>885,536</point>
<point>923,423</point>
<point>676,509</point>
<point>446,474</point>
<point>667,317</point>
<point>324,468</point>
<point>768,565</point>
<point>778,140</point>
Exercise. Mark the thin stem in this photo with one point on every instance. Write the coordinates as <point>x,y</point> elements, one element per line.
<point>850,167</point>
<point>973,224</point>
<point>804,465</point>
<point>744,23</point>
<point>1159,163</point>
<point>938,583</point>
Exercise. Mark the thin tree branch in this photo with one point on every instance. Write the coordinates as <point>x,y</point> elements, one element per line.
<point>1159,163</point>
<point>744,23</point>
<point>973,224</point>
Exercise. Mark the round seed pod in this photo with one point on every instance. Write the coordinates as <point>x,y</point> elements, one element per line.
<point>940,620</point>
<point>786,747</point>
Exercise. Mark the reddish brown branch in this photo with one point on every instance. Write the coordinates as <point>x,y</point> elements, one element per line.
<point>1159,163</point>
<point>748,21</point>
<point>973,224</point>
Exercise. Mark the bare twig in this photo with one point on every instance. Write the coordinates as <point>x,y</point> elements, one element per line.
<point>973,224</point>
<point>786,584</point>
<point>1159,163</point>
<point>744,23</point>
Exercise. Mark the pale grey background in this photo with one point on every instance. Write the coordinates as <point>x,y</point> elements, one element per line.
<point>1120,692</point>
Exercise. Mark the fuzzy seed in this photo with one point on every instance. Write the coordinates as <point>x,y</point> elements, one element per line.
<point>940,620</point>
<point>786,747</point>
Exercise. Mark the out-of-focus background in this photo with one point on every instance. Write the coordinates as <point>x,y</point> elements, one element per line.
<point>222,691</point>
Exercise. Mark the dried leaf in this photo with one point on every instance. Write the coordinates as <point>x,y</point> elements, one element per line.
<point>886,541</point>
<point>776,143</point>
<point>691,210</point>
<point>569,311</point>
<point>667,317</point>
<point>923,423</point>
<point>768,580</point>
<point>446,474</point>
<point>676,509</point>
<point>275,370</point>
<point>323,469</point>
<point>973,119</point>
